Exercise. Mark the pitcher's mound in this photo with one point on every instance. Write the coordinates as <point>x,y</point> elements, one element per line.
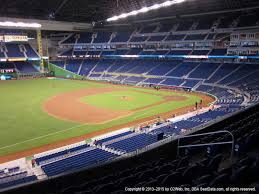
<point>127,98</point>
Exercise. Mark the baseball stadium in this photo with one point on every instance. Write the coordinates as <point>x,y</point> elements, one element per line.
<point>114,97</point>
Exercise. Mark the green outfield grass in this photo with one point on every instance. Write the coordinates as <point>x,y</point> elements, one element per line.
<point>24,125</point>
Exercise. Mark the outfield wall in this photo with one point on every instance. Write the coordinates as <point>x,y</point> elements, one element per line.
<point>60,72</point>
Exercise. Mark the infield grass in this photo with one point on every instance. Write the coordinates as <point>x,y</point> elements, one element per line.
<point>122,100</point>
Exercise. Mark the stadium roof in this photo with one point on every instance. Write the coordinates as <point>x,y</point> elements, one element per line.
<point>97,10</point>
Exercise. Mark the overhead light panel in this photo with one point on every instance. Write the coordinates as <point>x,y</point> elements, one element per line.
<point>20,24</point>
<point>145,10</point>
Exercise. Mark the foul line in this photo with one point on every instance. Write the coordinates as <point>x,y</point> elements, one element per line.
<point>140,115</point>
<point>40,137</point>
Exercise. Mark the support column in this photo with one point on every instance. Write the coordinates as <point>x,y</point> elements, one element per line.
<point>40,50</point>
<point>47,52</point>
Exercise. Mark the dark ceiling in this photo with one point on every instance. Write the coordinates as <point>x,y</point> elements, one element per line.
<point>97,10</point>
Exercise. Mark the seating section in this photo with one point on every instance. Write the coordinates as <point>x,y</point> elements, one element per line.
<point>7,65</point>
<point>196,37</point>
<point>30,52</point>
<point>79,53</point>
<point>218,52</point>
<point>76,162</point>
<point>183,69</point>
<point>42,159</point>
<point>204,166</point>
<point>200,52</point>
<point>122,37</point>
<point>13,50</point>
<point>148,29</point>
<point>113,137</point>
<point>138,38</point>
<point>184,74</point>
<point>70,40</point>
<point>172,82</point>
<point>223,71</point>
<point>155,81</point>
<point>133,143</point>
<point>87,66</point>
<point>186,30</point>
<point>163,68</point>
<point>204,70</point>
<point>240,73</point>
<point>73,65</point>
<point>134,80</point>
<point>185,25</point>
<point>177,127</point>
<point>14,176</point>
<point>156,38</point>
<point>234,84</point>
<point>175,37</point>
<point>205,23</point>
<point>84,38</point>
<point>190,83</point>
<point>25,67</point>
<point>102,37</point>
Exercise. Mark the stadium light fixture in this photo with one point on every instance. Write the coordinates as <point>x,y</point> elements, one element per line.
<point>145,10</point>
<point>20,24</point>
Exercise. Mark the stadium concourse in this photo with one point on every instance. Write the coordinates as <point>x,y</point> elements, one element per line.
<point>208,60</point>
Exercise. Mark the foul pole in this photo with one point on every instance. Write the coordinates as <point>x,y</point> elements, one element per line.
<point>40,50</point>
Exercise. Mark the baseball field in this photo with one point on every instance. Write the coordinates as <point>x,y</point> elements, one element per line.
<point>42,114</point>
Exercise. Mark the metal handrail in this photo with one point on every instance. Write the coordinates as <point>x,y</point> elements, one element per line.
<point>207,144</point>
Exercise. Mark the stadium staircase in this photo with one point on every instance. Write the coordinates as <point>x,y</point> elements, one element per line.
<point>119,139</point>
<point>228,74</point>
<point>111,150</point>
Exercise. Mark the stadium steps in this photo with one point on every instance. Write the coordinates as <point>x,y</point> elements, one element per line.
<point>229,74</point>
<point>111,37</point>
<point>120,138</point>
<point>197,85</point>
<point>133,68</point>
<point>161,82</point>
<point>152,69</point>
<point>92,70</point>
<point>39,173</point>
<point>111,150</point>
<point>186,35</point>
<point>140,83</point>
<point>174,28</point>
<point>173,69</point>
<point>62,157</point>
<point>111,65</point>
<point>215,71</point>
<point>93,37</point>
<point>79,70</point>
<point>194,69</point>
<point>133,33</point>
<point>65,65</point>
<point>122,66</point>
<point>182,84</point>
<point>240,78</point>
<point>24,52</point>
<point>17,70</point>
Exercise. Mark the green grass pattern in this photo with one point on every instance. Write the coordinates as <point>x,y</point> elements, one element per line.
<point>24,124</point>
